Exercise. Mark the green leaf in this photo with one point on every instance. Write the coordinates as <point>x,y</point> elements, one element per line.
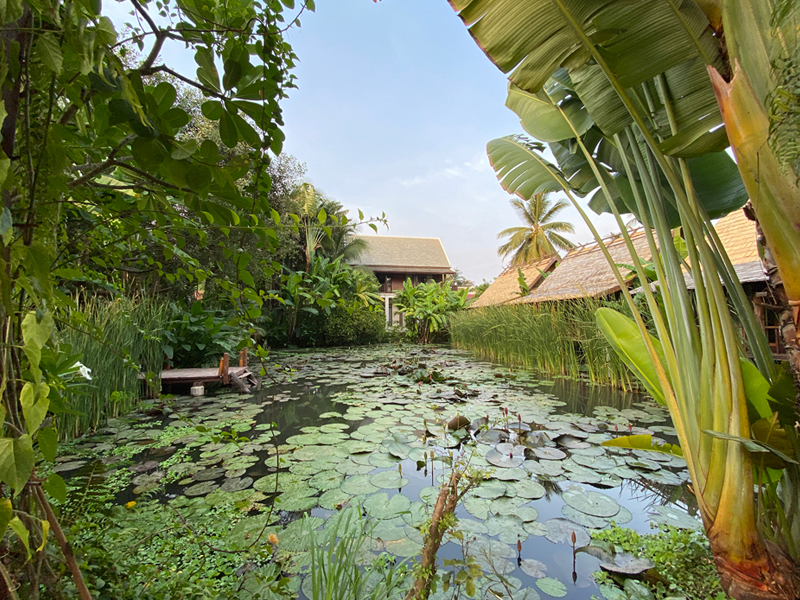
<point>212,110</point>
<point>6,514</point>
<point>34,400</point>
<point>643,442</point>
<point>49,52</point>
<point>521,169</point>
<point>207,71</point>
<point>6,226</point>
<point>756,389</point>
<point>23,534</point>
<point>751,444</point>
<point>227,130</point>
<point>48,442</point>
<point>543,120</point>
<point>16,461</point>
<point>623,334</point>
<point>56,487</point>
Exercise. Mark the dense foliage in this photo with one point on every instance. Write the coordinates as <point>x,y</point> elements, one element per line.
<point>427,307</point>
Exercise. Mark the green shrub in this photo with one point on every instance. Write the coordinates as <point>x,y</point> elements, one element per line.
<point>426,309</point>
<point>360,326</point>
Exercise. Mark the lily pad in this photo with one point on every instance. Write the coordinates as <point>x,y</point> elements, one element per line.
<point>559,531</point>
<point>627,564</point>
<point>590,503</point>
<point>529,489</point>
<point>209,474</point>
<point>672,516</point>
<point>490,489</point>
<point>388,480</point>
<point>326,480</point>
<point>477,507</point>
<point>297,500</point>
<point>548,453</point>
<point>334,499</point>
<point>580,518</point>
<point>552,587</point>
<point>533,568</point>
<point>380,506</point>
<point>236,484</point>
<point>381,460</point>
<point>358,485</point>
<point>201,489</point>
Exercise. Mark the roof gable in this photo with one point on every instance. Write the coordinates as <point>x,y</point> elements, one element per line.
<point>395,253</point>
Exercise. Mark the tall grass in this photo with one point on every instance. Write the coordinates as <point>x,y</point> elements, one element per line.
<point>117,339</point>
<point>559,338</point>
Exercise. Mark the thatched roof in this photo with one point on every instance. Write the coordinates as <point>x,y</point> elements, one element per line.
<point>738,236</point>
<point>585,272</point>
<point>395,254</point>
<point>506,287</point>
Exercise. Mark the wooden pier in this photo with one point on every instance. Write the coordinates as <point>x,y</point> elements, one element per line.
<point>225,374</point>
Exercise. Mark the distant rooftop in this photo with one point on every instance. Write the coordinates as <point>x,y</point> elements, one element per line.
<point>396,254</point>
<point>584,272</point>
<point>506,287</point>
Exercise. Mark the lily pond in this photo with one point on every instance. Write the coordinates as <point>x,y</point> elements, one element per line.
<point>378,428</point>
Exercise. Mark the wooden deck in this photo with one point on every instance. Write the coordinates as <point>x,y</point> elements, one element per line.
<point>240,376</point>
<point>208,375</point>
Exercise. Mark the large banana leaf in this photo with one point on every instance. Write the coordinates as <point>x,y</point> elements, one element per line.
<point>715,176</point>
<point>635,41</point>
<point>521,170</point>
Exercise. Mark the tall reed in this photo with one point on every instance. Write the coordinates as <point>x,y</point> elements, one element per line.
<point>117,339</point>
<point>559,338</point>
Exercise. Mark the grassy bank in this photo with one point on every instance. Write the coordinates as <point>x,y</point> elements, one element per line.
<point>119,339</point>
<point>556,338</point>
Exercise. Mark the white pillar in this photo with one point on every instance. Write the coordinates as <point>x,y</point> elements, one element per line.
<point>388,309</point>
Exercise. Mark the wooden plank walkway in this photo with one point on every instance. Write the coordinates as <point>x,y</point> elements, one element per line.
<point>199,375</point>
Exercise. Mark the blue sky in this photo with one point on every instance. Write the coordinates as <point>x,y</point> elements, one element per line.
<point>394,106</point>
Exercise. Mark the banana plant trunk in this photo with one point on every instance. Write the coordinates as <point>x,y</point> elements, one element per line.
<point>786,318</point>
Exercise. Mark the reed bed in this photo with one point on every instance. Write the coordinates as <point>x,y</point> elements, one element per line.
<point>118,339</point>
<point>558,338</point>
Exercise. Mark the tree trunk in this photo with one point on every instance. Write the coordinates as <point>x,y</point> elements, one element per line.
<point>775,577</point>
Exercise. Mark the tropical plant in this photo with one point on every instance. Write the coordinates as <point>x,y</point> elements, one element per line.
<point>335,572</point>
<point>625,85</point>
<point>324,226</point>
<point>99,186</point>
<point>540,235</point>
<point>121,338</point>
<point>427,307</point>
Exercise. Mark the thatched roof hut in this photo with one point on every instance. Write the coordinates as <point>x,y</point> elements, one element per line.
<point>738,236</point>
<point>505,288</point>
<point>584,272</point>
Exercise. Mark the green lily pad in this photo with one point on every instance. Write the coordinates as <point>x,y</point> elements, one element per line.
<point>559,531</point>
<point>627,564</point>
<point>580,518</point>
<point>672,516</point>
<point>533,568</point>
<point>334,499</point>
<point>535,528</point>
<point>507,461</point>
<point>552,587</point>
<point>388,480</point>
<point>348,467</point>
<point>590,503</point>
<point>506,505</point>
<point>358,485</point>
<point>380,506</point>
<point>381,460</point>
<point>209,474</point>
<point>477,507</point>
<point>201,489</point>
<point>403,547</point>
<point>236,484</point>
<point>297,500</point>
<point>529,489</point>
<point>326,480</point>
<point>490,489</point>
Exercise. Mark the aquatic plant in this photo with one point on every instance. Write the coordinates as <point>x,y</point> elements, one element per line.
<point>335,554</point>
<point>555,338</point>
<point>117,339</point>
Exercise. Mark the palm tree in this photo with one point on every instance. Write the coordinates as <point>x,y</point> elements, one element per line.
<point>540,236</point>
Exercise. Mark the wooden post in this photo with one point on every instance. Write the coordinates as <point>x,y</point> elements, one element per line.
<point>243,357</point>
<point>226,359</point>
